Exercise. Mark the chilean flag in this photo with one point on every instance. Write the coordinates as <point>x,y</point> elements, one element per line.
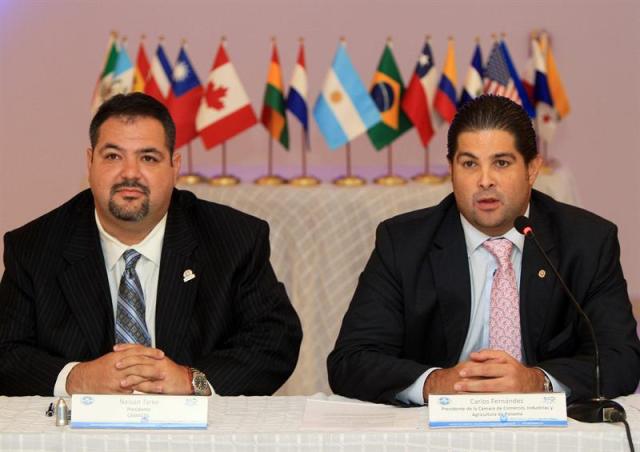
<point>418,98</point>
<point>184,99</point>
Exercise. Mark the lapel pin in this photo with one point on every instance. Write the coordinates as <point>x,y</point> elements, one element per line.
<point>188,275</point>
<point>542,273</point>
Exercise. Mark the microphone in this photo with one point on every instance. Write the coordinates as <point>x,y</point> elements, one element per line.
<point>598,408</point>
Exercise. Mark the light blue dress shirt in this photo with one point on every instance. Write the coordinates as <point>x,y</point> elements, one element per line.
<point>482,266</point>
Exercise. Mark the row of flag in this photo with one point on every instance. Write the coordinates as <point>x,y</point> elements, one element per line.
<point>220,108</point>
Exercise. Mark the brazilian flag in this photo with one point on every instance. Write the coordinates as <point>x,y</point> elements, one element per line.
<point>386,90</point>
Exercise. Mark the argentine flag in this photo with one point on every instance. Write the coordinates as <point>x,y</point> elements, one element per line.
<point>344,109</point>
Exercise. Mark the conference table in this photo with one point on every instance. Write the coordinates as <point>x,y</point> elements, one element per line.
<point>321,238</point>
<point>284,423</point>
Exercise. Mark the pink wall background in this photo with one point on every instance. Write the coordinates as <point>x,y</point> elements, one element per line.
<point>51,53</point>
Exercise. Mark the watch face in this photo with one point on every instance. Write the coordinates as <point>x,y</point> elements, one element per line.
<point>199,382</point>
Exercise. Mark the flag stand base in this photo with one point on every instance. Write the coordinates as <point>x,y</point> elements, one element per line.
<point>349,181</point>
<point>305,181</point>
<point>224,180</point>
<point>191,179</point>
<point>429,179</point>
<point>270,180</point>
<point>390,180</point>
<point>549,166</point>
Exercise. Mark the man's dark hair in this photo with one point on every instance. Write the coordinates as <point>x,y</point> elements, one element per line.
<point>134,105</point>
<point>489,112</point>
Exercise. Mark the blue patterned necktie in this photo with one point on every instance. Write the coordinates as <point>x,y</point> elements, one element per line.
<point>130,324</point>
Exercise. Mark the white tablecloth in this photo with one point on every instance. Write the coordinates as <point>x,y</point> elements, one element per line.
<point>242,424</point>
<point>321,238</point>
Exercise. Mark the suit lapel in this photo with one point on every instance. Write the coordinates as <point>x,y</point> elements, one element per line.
<point>536,281</point>
<point>452,282</point>
<point>84,282</point>
<point>176,292</point>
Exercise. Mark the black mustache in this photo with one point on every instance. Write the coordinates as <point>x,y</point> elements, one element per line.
<point>130,183</point>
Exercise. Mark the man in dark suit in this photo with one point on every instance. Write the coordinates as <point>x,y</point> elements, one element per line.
<point>428,314</point>
<point>136,286</point>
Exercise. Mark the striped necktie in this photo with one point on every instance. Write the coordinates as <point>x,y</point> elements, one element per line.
<point>130,323</point>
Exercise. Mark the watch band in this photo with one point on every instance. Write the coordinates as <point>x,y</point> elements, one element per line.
<point>548,387</point>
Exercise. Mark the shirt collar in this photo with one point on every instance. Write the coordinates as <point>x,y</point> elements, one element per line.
<point>475,238</point>
<point>150,247</point>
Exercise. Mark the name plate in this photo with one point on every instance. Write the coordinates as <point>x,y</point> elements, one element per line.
<point>138,411</point>
<point>547,409</point>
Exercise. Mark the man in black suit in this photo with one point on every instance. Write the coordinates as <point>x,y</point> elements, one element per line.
<point>422,319</point>
<point>136,286</point>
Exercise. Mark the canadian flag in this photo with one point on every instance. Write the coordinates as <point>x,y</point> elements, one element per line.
<point>225,109</point>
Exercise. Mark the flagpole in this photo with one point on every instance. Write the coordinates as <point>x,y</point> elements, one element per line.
<point>349,180</point>
<point>270,178</point>
<point>270,159</point>
<point>190,178</point>
<point>304,180</point>
<point>224,179</point>
<point>304,153</point>
<point>427,177</point>
<point>390,180</point>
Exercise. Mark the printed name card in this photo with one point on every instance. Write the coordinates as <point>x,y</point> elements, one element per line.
<point>498,410</point>
<point>138,411</point>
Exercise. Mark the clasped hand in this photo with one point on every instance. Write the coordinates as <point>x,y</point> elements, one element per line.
<point>130,367</point>
<point>485,371</point>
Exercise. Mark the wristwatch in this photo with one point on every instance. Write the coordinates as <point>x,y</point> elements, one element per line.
<point>199,382</point>
<point>547,386</point>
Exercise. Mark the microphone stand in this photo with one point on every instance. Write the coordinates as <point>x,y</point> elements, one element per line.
<point>598,408</point>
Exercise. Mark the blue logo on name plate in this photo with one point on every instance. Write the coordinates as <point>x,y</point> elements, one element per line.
<point>87,400</point>
<point>444,400</point>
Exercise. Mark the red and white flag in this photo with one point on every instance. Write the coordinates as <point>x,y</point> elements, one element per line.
<point>225,109</point>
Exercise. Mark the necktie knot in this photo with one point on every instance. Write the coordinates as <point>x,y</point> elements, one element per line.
<point>500,248</point>
<point>131,258</point>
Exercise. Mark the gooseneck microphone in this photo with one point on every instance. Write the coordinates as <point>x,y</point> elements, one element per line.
<point>598,408</point>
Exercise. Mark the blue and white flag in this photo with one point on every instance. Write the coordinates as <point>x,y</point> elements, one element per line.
<point>473,85</point>
<point>344,110</point>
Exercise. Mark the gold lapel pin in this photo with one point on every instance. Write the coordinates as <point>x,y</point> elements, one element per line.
<point>542,273</point>
<point>188,275</point>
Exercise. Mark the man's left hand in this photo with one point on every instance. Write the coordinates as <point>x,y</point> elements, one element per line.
<point>497,371</point>
<point>161,376</point>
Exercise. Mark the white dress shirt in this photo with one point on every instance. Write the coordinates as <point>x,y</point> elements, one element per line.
<point>482,266</point>
<point>147,268</point>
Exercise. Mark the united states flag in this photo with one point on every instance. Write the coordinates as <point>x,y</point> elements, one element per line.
<point>497,79</point>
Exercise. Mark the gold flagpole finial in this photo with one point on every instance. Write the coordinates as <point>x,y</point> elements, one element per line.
<point>183,42</point>
<point>477,39</point>
<point>301,40</point>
